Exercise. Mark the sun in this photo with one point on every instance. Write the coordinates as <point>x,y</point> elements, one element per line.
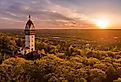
<point>102,23</point>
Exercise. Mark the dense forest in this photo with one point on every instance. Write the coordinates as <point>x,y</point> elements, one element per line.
<point>61,61</point>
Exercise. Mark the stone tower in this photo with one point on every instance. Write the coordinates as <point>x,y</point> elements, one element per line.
<point>30,35</point>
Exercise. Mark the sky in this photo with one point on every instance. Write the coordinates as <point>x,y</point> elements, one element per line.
<point>59,14</point>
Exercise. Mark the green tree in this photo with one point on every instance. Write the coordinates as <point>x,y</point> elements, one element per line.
<point>118,80</point>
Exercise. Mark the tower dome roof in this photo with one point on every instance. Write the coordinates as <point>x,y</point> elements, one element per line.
<point>29,24</point>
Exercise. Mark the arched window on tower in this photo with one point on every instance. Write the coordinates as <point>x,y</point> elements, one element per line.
<point>32,49</point>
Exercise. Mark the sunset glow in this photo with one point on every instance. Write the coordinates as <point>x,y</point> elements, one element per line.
<point>102,23</point>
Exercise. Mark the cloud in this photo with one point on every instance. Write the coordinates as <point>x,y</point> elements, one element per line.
<point>68,12</point>
<point>48,11</point>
